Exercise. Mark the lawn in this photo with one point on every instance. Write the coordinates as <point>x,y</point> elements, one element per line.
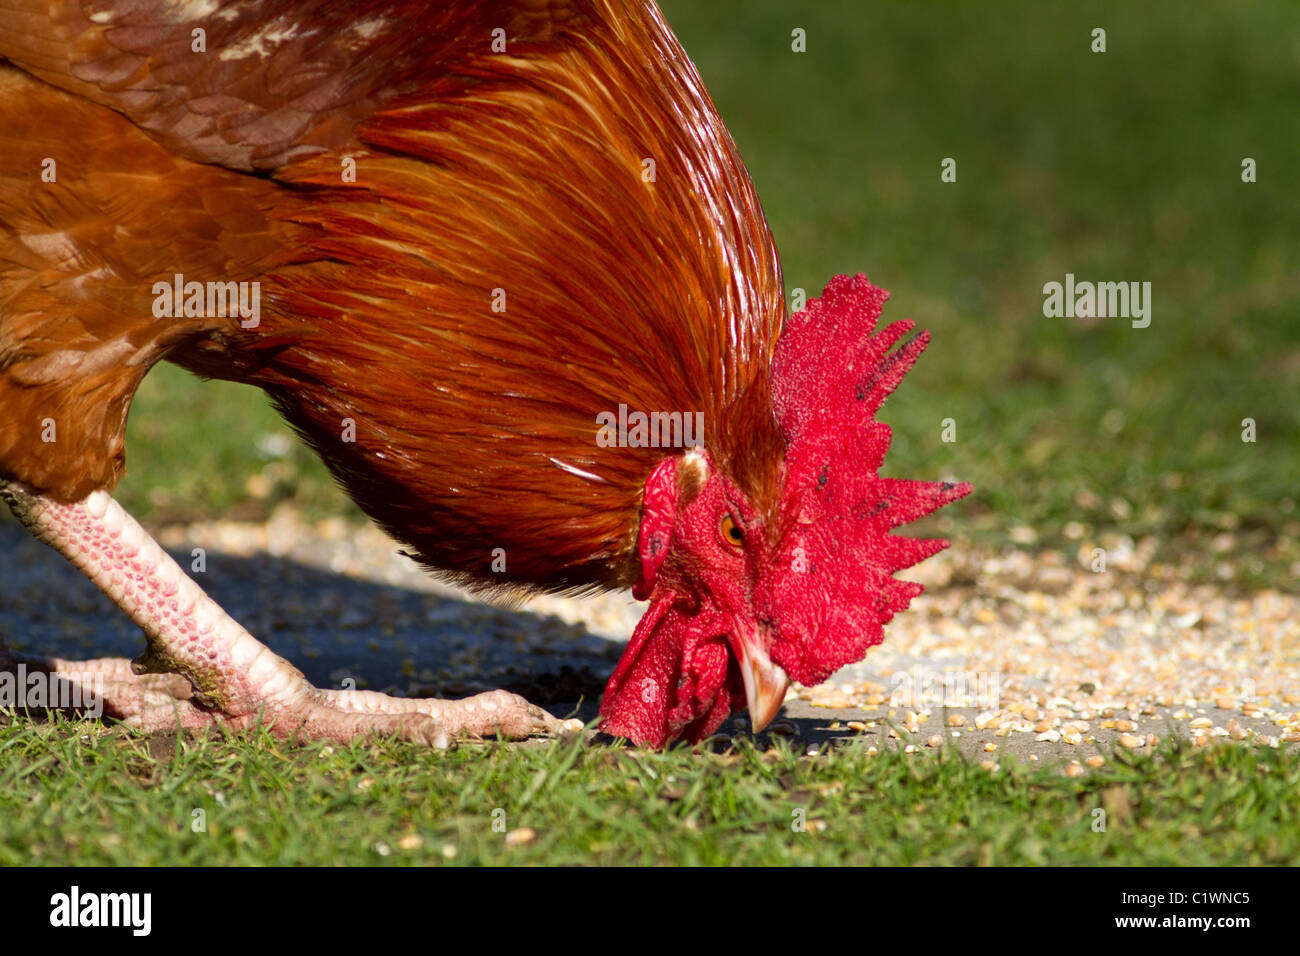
<point>109,799</point>
<point>1117,166</point>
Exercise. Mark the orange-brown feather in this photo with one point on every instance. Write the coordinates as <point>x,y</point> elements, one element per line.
<point>476,428</point>
<point>476,171</point>
<point>78,257</point>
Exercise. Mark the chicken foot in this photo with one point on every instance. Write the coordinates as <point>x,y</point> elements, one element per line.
<point>203,669</point>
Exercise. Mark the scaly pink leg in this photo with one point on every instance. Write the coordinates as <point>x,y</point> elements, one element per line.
<point>202,668</point>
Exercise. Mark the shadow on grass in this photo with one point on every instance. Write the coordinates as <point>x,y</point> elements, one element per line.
<point>333,627</point>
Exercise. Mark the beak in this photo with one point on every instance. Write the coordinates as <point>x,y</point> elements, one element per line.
<point>765,683</point>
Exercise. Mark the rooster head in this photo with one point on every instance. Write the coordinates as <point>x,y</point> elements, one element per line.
<point>750,592</point>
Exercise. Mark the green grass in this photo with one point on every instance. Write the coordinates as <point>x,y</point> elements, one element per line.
<point>217,450</point>
<point>108,798</point>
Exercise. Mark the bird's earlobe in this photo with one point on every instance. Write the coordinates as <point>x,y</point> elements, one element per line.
<point>658,513</point>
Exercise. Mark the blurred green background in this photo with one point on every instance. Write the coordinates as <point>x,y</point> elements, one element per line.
<point>1117,166</point>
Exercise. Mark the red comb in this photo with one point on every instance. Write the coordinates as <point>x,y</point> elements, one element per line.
<point>831,372</point>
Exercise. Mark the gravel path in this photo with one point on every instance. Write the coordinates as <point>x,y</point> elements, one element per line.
<point>1030,654</point>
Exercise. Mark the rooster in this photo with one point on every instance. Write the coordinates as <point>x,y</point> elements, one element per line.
<point>450,241</point>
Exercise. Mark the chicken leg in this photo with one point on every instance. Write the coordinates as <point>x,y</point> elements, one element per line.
<point>203,669</point>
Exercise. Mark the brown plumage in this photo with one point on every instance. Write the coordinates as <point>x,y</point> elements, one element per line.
<point>475,171</point>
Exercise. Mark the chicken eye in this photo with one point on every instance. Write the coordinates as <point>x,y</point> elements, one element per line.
<point>731,532</point>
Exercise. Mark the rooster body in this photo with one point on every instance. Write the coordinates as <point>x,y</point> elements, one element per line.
<point>472,230</point>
